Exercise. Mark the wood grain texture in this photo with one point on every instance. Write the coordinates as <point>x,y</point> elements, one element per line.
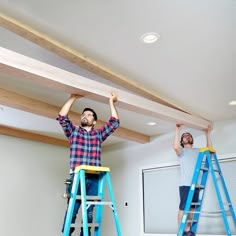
<point>37,107</point>
<point>77,58</point>
<point>26,68</point>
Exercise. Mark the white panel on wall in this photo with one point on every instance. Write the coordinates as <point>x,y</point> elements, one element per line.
<point>160,214</point>
<point>32,183</point>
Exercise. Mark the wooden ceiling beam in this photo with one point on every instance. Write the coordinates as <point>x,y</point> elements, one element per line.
<point>26,68</point>
<point>77,58</point>
<point>34,106</point>
<point>4,130</point>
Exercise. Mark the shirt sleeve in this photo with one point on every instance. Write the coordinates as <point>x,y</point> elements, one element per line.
<point>66,125</point>
<point>109,128</point>
<point>181,152</point>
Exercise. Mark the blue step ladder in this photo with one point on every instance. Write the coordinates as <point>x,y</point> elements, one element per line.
<point>87,201</point>
<point>207,162</point>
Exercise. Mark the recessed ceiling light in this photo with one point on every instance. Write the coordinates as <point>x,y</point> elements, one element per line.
<point>232,103</point>
<point>151,123</point>
<point>150,37</point>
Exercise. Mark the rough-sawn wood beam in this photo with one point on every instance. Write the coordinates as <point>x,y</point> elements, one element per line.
<point>20,102</point>
<point>26,68</point>
<point>32,136</point>
<point>77,58</point>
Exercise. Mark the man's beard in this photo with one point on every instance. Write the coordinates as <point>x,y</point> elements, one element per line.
<point>85,123</point>
<point>189,141</point>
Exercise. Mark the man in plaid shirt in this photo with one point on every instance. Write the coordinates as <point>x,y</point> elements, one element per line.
<point>85,146</point>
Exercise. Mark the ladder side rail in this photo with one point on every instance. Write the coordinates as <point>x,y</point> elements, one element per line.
<point>225,189</point>
<point>83,202</point>
<point>113,204</point>
<point>201,195</point>
<point>99,208</point>
<point>219,198</point>
<point>71,205</point>
<point>190,194</point>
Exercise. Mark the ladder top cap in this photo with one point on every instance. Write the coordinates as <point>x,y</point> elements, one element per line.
<point>91,169</point>
<point>212,150</point>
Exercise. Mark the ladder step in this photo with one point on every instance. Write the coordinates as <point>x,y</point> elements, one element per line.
<point>81,225</point>
<point>204,169</point>
<point>212,212</point>
<point>90,198</point>
<point>196,204</point>
<point>192,221</point>
<point>200,186</point>
<point>227,203</point>
<point>99,203</point>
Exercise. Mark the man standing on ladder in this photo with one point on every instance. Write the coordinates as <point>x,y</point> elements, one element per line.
<point>85,146</point>
<point>188,158</point>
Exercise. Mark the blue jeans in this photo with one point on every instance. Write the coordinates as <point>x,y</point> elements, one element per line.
<point>91,183</point>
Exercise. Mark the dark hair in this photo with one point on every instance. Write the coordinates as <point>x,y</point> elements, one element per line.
<point>182,137</point>
<point>94,113</point>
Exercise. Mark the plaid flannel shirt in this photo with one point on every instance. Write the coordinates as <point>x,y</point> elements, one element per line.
<point>85,147</point>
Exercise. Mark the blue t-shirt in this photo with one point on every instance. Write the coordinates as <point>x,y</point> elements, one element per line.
<point>188,159</point>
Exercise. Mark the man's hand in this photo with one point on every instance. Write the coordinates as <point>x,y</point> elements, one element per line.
<point>112,100</point>
<point>179,127</point>
<point>75,96</point>
<point>208,129</point>
<point>207,132</point>
<point>114,97</point>
<point>66,107</point>
<point>176,139</point>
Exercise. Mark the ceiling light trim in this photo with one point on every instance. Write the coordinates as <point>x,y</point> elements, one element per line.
<point>150,37</point>
<point>232,103</point>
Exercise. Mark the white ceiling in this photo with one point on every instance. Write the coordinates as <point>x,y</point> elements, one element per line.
<point>191,66</point>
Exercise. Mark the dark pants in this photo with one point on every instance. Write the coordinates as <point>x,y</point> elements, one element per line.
<point>91,183</point>
<point>183,194</point>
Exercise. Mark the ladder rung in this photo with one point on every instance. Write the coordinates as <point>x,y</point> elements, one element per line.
<point>228,203</point>
<point>99,203</point>
<point>211,212</point>
<point>200,186</point>
<point>204,169</point>
<point>192,221</point>
<point>196,204</point>
<point>81,225</point>
<point>90,198</point>
<point>207,212</point>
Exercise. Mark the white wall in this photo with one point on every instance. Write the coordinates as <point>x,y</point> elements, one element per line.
<point>126,161</point>
<point>32,183</point>
<point>32,174</point>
